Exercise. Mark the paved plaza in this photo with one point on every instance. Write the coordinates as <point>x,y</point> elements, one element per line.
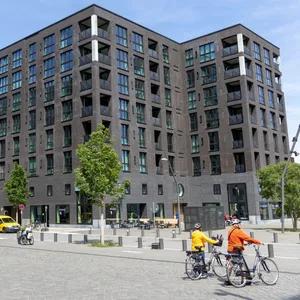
<point>49,270</point>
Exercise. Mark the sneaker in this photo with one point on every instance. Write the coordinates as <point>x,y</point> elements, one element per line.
<point>226,282</point>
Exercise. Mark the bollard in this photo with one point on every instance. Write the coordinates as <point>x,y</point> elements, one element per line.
<point>114,231</point>
<point>210,233</point>
<point>85,239</point>
<point>157,233</point>
<point>173,234</point>
<point>191,232</point>
<point>161,244</point>
<point>270,250</point>
<point>184,245</point>
<point>42,236</point>
<point>142,232</point>
<point>275,235</point>
<point>55,237</point>
<point>140,242</point>
<point>70,238</point>
<point>209,248</point>
<point>252,235</point>
<point>128,232</point>
<point>90,230</point>
<point>120,241</point>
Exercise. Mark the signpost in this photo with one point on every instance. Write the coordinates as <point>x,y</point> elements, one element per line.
<point>21,208</point>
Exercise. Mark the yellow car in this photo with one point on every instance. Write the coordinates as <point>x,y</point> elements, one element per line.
<point>8,224</point>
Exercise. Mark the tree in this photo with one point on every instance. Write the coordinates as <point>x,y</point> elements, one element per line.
<point>99,172</point>
<point>270,183</point>
<point>16,188</point>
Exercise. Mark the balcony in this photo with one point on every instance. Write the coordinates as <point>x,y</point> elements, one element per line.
<point>154,76</point>
<point>87,111</point>
<point>232,73</point>
<point>234,96</point>
<point>240,168</point>
<point>235,119</point>
<point>155,98</point>
<point>249,73</point>
<point>159,171</point>
<point>86,59</point>
<point>103,34</point>
<point>278,86</point>
<point>105,111</point>
<point>253,119</point>
<point>237,144</point>
<point>230,50</point>
<point>157,146</point>
<point>156,122</point>
<point>276,66</point>
<point>251,96</point>
<point>85,34</point>
<point>153,53</point>
<point>105,84</point>
<point>104,59</point>
<point>255,143</point>
<point>247,50</point>
<point>85,85</point>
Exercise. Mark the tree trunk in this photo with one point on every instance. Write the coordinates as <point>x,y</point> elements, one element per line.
<point>294,217</point>
<point>102,222</point>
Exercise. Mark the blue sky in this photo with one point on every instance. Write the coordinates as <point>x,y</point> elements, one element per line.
<point>276,20</point>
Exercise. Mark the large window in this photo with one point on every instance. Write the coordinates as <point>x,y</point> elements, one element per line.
<point>84,209</point>
<point>261,95</point>
<point>189,58</point>
<point>140,113</point>
<point>137,42</point>
<point>142,137</point>
<point>50,164</point>
<point>66,37</point>
<point>49,91</point>
<point>269,78</point>
<point>3,85</point>
<point>256,50</point>
<point>122,59</point>
<point>262,117</point>
<point>16,145</point>
<point>3,106</point>
<point>165,50</point>
<point>17,59</point>
<point>124,134</point>
<point>121,35</point>
<point>67,110</point>
<point>190,79</point>
<point>167,77</point>
<point>271,99</point>
<point>215,164</point>
<point>49,44</point>
<point>125,160</point>
<point>3,127</point>
<point>32,74</point>
<point>49,111</point>
<point>210,96</point>
<point>213,138</point>
<point>17,80</point>
<point>66,86</point>
<point>16,102</point>
<point>196,166</point>
<point>62,214</point>
<point>49,142</point>
<point>192,100</point>
<point>68,161</point>
<point>195,143</point>
<point>258,70</point>
<point>212,118</point>
<point>32,52</point>
<point>168,97</point>
<point>140,89</point>
<point>32,166</point>
<point>143,162</point>
<point>32,97</point>
<point>272,120</point>
<point>207,52</point>
<point>138,63</point>
<point>67,136</point>
<point>123,84</point>
<point>267,57</point>
<point>193,122</point>
<point>66,61</point>
<point>49,67</point>
<point>32,120</point>
<point>209,74</point>
<point>16,124</point>
<point>123,107</point>
<point>3,64</point>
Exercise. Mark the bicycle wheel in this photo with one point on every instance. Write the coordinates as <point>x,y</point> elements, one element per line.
<point>268,271</point>
<point>235,275</point>
<point>31,240</point>
<point>23,240</point>
<point>218,265</point>
<point>190,268</point>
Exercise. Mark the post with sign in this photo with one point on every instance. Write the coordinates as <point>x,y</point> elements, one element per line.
<point>180,193</point>
<point>155,209</point>
<point>21,208</point>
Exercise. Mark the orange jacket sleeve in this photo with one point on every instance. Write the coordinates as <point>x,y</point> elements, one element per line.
<point>242,235</point>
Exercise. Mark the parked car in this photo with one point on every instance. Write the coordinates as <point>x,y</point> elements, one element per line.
<point>8,224</point>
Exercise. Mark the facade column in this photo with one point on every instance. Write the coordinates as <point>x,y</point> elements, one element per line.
<point>94,23</point>
<point>242,65</point>
<point>240,42</point>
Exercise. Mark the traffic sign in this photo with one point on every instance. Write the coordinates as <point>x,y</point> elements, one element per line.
<point>21,206</point>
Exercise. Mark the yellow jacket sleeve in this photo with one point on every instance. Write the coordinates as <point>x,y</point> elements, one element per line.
<point>208,240</point>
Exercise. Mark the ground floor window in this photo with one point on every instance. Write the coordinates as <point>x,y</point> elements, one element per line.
<point>211,204</point>
<point>264,210</point>
<point>39,213</point>
<point>136,211</point>
<point>112,213</point>
<point>62,214</point>
<point>238,202</point>
<point>159,210</point>
<point>84,209</point>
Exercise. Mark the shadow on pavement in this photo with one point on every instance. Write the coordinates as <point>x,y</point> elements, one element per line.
<point>221,293</point>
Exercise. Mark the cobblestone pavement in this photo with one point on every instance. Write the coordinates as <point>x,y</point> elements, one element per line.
<point>65,271</point>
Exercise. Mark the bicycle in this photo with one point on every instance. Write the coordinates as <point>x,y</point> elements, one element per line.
<point>238,272</point>
<point>35,225</point>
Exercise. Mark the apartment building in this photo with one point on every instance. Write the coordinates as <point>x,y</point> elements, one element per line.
<point>212,108</point>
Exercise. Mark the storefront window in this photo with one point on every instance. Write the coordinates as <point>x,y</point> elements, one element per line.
<point>274,206</point>
<point>112,213</point>
<point>264,212</point>
<point>161,211</point>
<point>39,213</point>
<point>237,198</point>
<point>84,210</point>
<point>62,214</point>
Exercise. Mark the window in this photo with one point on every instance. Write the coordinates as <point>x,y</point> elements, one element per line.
<point>258,70</point>
<point>192,100</point>
<point>171,165</point>
<point>215,164</point>
<point>124,134</point>
<point>67,136</point>
<point>2,149</point>
<point>32,52</point>
<point>137,42</point>
<point>124,113</point>
<point>212,118</point>
<point>189,58</point>
<point>66,61</point>
<point>195,143</point>
<point>67,189</point>
<point>127,190</point>
<point>166,54</point>
<point>213,138</point>
<point>193,122</point>
<point>17,59</point>
<point>3,125</point>
<point>49,44</point>
<point>140,113</point>
<point>275,143</point>
<point>32,97</point>
<point>66,37</point>
<point>160,189</point>
<point>269,77</point>
<point>3,85</point>
<point>190,79</point>
<point>32,120</point>
<point>170,142</point>
<point>168,97</point>
<point>68,162</point>
<point>167,78</point>
<point>207,52</point>
<point>2,170</point>
<point>3,64</point>
<point>256,50</point>
<point>271,99</point>
<point>267,57</point>
<point>196,166</point>
<point>141,137</point>
<point>139,89</point>
<point>16,145</point>
<point>32,166</point>
<point>66,86</point>
<point>123,84</point>
<point>262,117</point>
<point>49,110</point>
<point>209,74</point>
<point>49,144</point>
<point>49,190</point>
<point>210,96</point>
<point>16,102</point>
<point>49,91</point>
<point>121,35</point>
<point>3,106</point>
<point>122,60</point>
<point>16,124</point>
<point>67,107</point>
<point>261,95</point>
<point>125,160</point>
<point>32,143</point>
<point>62,213</point>
<point>169,119</point>
<point>144,189</point>
<point>217,189</point>
<point>143,162</point>
<point>49,67</point>
<point>50,164</point>
<point>138,63</point>
<point>272,120</point>
<point>32,74</point>
<point>17,80</point>
<point>31,191</point>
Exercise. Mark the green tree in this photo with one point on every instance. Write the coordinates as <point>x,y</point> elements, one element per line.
<point>16,188</point>
<point>99,172</point>
<point>270,182</point>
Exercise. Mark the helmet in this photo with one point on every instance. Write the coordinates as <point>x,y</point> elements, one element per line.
<point>236,221</point>
<point>198,225</point>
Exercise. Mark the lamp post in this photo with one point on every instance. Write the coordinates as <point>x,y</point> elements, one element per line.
<point>177,192</point>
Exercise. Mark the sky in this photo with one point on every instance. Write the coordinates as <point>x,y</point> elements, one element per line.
<point>276,20</point>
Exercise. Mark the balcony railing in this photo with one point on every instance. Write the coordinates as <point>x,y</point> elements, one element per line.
<point>234,96</point>
<point>232,73</point>
<point>237,144</point>
<point>154,76</point>
<point>155,98</point>
<point>255,143</point>
<point>104,59</point>
<point>251,96</point>
<point>85,85</point>
<point>214,123</point>
<point>235,119</point>
<point>240,168</point>
<point>87,111</point>
<point>105,84</point>
<point>86,59</point>
<point>153,53</point>
<point>105,110</point>
<point>278,86</point>
<point>249,73</point>
<point>213,100</point>
<point>230,50</point>
<point>276,66</point>
<point>103,34</point>
<point>157,146</point>
<point>253,119</point>
<point>156,121</point>
<point>159,171</point>
<point>85,34</point>
<point>247,50</point>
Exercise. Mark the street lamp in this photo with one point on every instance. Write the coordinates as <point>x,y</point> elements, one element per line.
<point>178,196</point>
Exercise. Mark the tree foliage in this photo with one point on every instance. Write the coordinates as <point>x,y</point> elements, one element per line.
<point>270,183</point>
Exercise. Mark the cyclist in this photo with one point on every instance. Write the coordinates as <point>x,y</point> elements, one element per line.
<point>236,238</point>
